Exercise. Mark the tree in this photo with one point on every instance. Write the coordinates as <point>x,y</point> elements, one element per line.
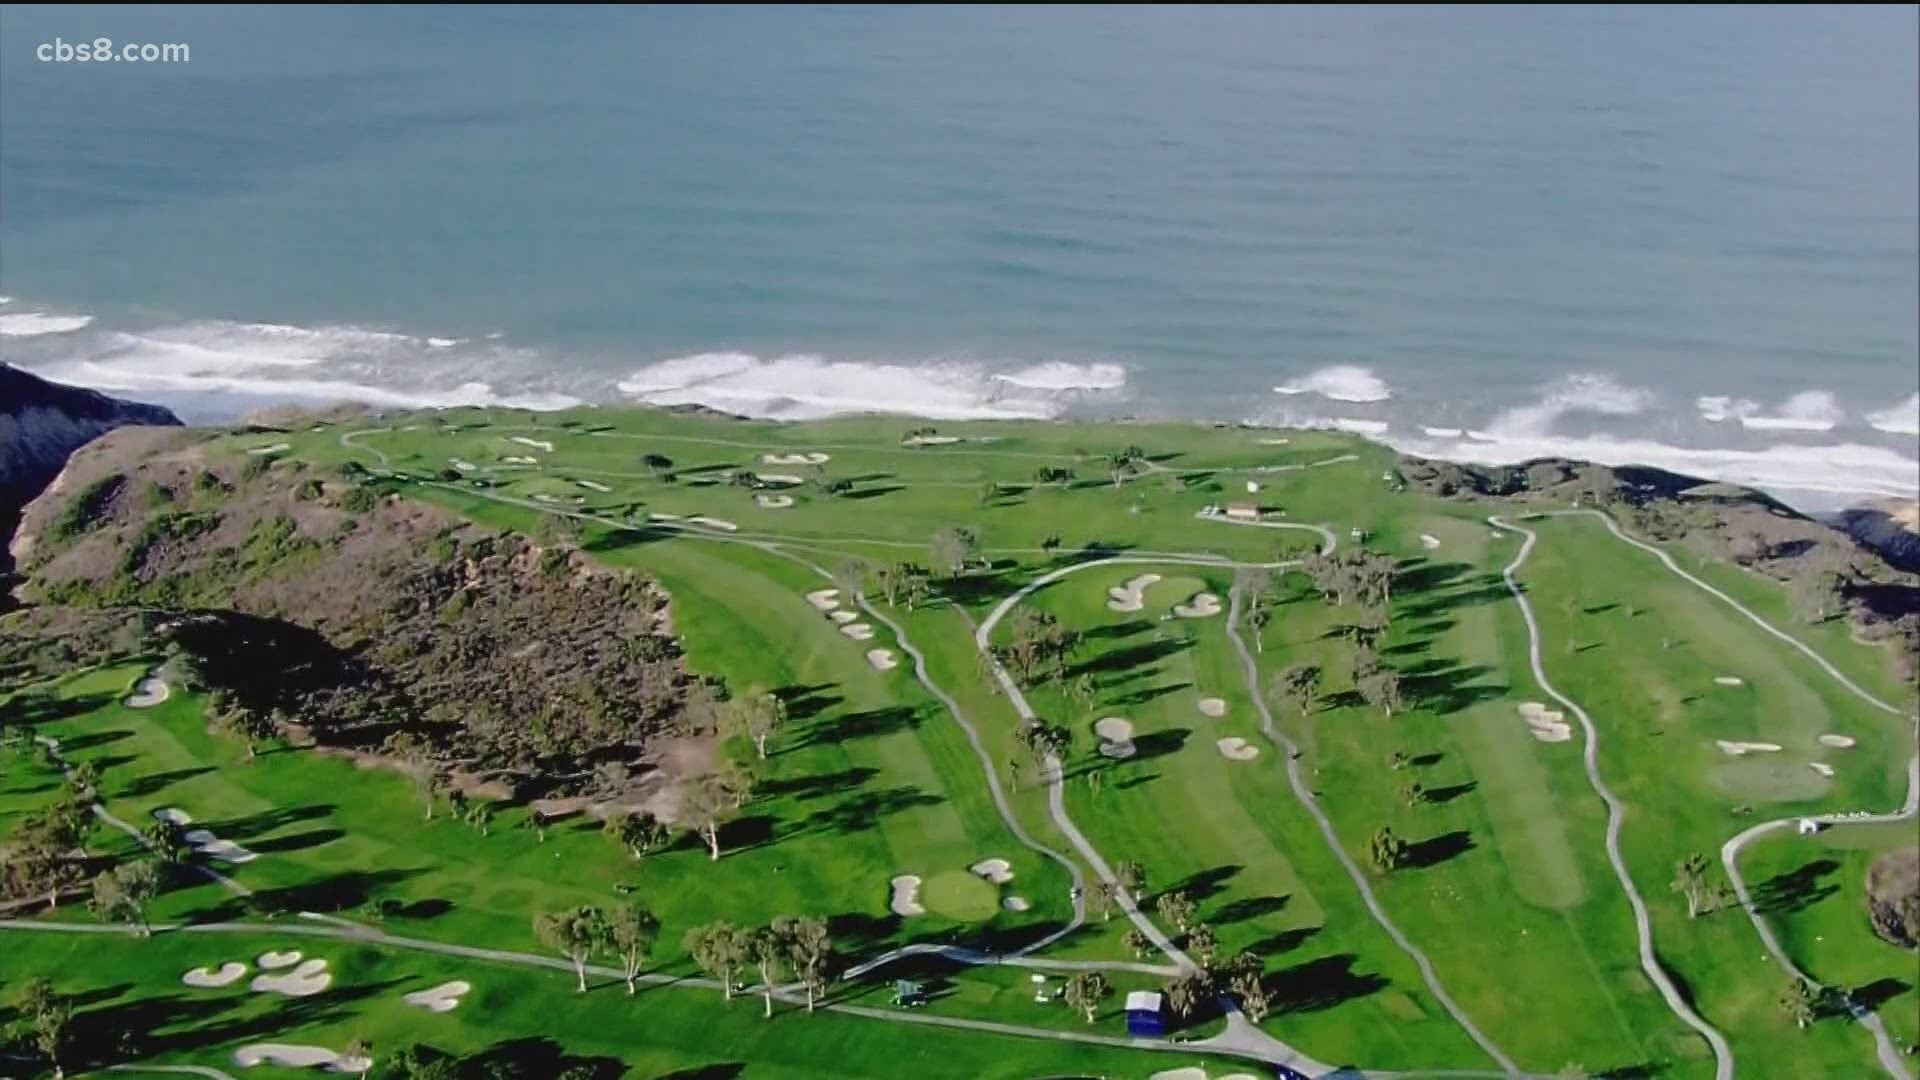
<point>767,952</point>
<point>1177,908</point>
<point>250,726</point>
<point>639,832</point>
<point>1799,1001</point>
<point>1382,688</point>
<point>1386,851</point>
<point>1037,639</point>
<point>361,1050</point>
<point>82,781</point>
<point>631,930</point>
<point>1137,943</point>
<point>1690,880</point>
<point>756,715</point>
<point>415,757</point>
<point>1204,945</point>
<point>710,801</point>
<point>850,576</point>
<point>1185,993</point>
<point>1246,985</point>
<point>1083,690</point>
<point>720,950</point>
<point>167,840</point>
<point>1298,687</point>
<point>1365,661</point>
<point>575,934</point>
<point>1413,792</point>
<point>901,581</point>
<point>809,950</point>
<point>479,816</point>
<point>123,893</point>
<point>1086,991</point>
<point>953,548</point>
<point>657,463</point>
<point>44,1016</point>
<point>1053,474</point>
<point>1130,876</point>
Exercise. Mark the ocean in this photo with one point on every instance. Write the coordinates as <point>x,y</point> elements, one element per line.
<point>1680,237</point>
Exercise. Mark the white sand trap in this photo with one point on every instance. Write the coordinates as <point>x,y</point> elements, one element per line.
<point>1838,742</point>
<point>773,502</point>
<point>1237,749</point>
<point>824,599</point>
<point>293,1056</point>
<point>1203,605</point>
<point>1429,542</point>
<point>1737,749</point>
<point>1188,1073</point>
<point>906,896</point>
<point>1015,903</point>
<point>274,961</point>
<point>1213,706</point>
<point>592,486</point>
<point>779,478</point>
<point>1275,442</point>
<point>148,693</point>
<point>1132,595</point>
<point>1729,680</point>
<point>276,448</point>
<point>843,616</point>
<point>931,440</point>
<point>1820,767</point>
<point>521,460</point>
<point>535,443</point>
<point>858,631</point>
<point>795,459</point>
<point>1116,736</point>
<point>173,815</point>
<point>882,659</point>
<point>1548,725</point>
<point>210,979</point>
<point>714,523</point>
<point>213,847</point>
<point>543,497</point>
<point>998,871</point>
<point>306,980</point>
<point>462,466</point>
<point>442,998</point>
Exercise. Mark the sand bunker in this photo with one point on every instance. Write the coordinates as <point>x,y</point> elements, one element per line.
<point>858,631</point>
<point>442,998</point>
<point>147,693</point>
<point>906,896</point>
<point>298,1057</point>
<point>306,980</point>
<point>1116,737</point>
<point>1429,542</point>
<point>773,502</point>
<point>203,841</point>
<point>593,486</point>
<point>824,599</point>
<point>210,979</point>
<point>1820,767</point>
<point>1237,749</point>
<point>795,459</point>
<point>1188,1073</point>
<point>1213,706</point>
<point>1015,903</point>
<point>535,443</point>
<point>714,523</point>
<point>521,460</point>
<point>998,871</point>
<point>1838,742</point>
<point>1729,680</point>
<point>1737,749</point>
<point>779,478</point>
<point>1548,725</point>
<point>655,516</point>
<point>1275,442</point>
<point>276,448</point>
<point>930,440</point>
<point>541,496</point>
<point>173,815</point>
<point>274,961</point>
<point>1203,605</point>
<point>1132,595</point>
<point>844,616</point>
<point>882,659</point>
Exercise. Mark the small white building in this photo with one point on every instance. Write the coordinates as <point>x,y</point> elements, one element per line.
<point>1243,511</point>
<point>1808,826</point>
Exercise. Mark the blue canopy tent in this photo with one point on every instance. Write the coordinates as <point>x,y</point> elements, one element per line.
<point>1144,1016</point>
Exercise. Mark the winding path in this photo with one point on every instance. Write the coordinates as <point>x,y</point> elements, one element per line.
<point>1643,924</point>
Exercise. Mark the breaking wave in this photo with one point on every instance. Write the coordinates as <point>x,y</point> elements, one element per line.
<point>1340,382</point>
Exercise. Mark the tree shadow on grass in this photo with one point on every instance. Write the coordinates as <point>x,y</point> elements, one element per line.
<point>74,743</point>
<point>345,891</point>
<point>154,783</point>
<point>1134,698</point>
<point>1421,575</point>
<point>1796,890</point>
<point>1252,907</point>
<point>1116,630</point>
<point>1450,792</point>
<point>806,702</point>
<point>1438,849</point>
<point>1202,885</point>
<point>1320,984</point>
<point>864,811</point>
<point>1160,743</point>
<point>240,829</point>
<point>1445,689</point>
<point>818,784</point>
<point>540,1056</point>
<point>1283,942</point>
<point>1130,657</point>
<point>629,536</point>
<point>1878,993</point>
<point>312,838</point>
<point>719,1070</point>
<point>863,494</point>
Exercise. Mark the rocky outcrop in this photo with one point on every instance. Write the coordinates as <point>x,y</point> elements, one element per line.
<point>1891,528</point>
<point>41,424</point>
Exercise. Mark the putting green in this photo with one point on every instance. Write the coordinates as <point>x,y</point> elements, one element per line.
<point>960,896</point>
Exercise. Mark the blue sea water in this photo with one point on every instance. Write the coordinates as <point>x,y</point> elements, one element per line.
<point>1688,237</point>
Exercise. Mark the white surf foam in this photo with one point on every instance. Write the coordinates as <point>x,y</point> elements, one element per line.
<point>1057,375</point>
<point>1901,419</point>
<point>1811,410</point>
<point>1584,393</point>
<point>36,323</point>
<point>1441,432</point>
<point>804,387</point>
<point>1339,382</point>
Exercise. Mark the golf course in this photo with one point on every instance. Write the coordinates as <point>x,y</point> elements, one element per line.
<point>950,738</point>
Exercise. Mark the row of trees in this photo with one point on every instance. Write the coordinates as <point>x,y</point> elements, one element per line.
<point>789,947</point>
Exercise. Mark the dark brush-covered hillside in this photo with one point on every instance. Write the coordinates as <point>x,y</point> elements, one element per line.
<point>313,600</point>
